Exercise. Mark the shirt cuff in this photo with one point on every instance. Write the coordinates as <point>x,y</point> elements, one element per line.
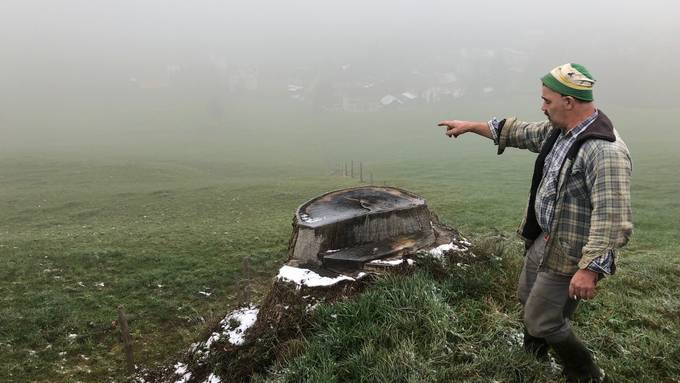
<point>493,126</point>
<point>602,264</point>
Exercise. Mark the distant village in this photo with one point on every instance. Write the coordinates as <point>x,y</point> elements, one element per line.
<point>353,87</point>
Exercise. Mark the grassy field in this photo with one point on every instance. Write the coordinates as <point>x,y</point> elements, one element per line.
<point>164,235</point>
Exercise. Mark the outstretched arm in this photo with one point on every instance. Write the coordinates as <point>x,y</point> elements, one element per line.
<point>507,133</point>
<point>455,128</point>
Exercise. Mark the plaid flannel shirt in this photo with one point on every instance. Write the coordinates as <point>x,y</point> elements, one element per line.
<point>592,213</point>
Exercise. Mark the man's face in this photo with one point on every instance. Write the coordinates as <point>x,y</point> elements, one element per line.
<point>554,107</point>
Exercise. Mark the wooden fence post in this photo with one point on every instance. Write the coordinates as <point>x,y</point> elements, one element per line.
<point>127,339</point>
<point>247,273</point>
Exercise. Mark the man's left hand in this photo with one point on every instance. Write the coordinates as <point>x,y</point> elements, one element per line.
<point>582,285</point>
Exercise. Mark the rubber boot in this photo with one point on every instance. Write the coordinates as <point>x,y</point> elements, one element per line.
<point>536,346</point>
<point>579,366</point>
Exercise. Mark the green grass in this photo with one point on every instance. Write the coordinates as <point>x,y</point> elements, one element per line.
<point>465,327</point>
<point>76,248</point>
<point>419,328</point>
<point>84,232</point>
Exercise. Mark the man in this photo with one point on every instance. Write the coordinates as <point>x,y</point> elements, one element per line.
<point>578,214</point>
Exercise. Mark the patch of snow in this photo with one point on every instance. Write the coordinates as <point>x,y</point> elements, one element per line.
<point>394,262</point>
<point>181,371</point>
<point>180,368</point>
<point>194,347</point>
<point>214,337</point>
<point>441,249</point>
<point>516,338</point>
<point>311,307</point>
<point>381,262</point>
<point>554,365</point>
<point>184,378</point>
<point>207,294</point>
<point>305,277</point>
<point>72,336</point>
<point>99,284</point>
<point>246,317</point>
<point>213,379</point>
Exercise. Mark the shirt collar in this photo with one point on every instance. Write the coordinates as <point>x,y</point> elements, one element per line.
<point>581,126</point>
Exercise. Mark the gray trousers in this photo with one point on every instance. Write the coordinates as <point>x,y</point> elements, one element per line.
<point>545,299</point>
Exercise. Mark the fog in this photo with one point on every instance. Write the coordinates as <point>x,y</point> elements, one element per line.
<point>315,80</point>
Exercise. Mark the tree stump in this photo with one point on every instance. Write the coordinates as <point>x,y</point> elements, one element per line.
<point>347,228</point>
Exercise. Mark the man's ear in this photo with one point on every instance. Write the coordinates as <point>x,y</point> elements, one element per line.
<point>569,102</point>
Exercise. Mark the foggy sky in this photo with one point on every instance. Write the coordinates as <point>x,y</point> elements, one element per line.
<point>64,59</point>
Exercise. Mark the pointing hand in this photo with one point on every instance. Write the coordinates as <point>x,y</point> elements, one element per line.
<point>455,127</point>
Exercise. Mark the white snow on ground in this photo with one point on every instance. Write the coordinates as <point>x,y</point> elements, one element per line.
<point>516,338</point>
<point>214,337</point>
<point>245,317</point>
<point>212,379</point>
<point>180,368</point>
<point>394,262</point>
<point>194,347</point>
<point>181,371</point>
<point>441,249</point>
<point>554,365</point>
<point>305,277</point>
